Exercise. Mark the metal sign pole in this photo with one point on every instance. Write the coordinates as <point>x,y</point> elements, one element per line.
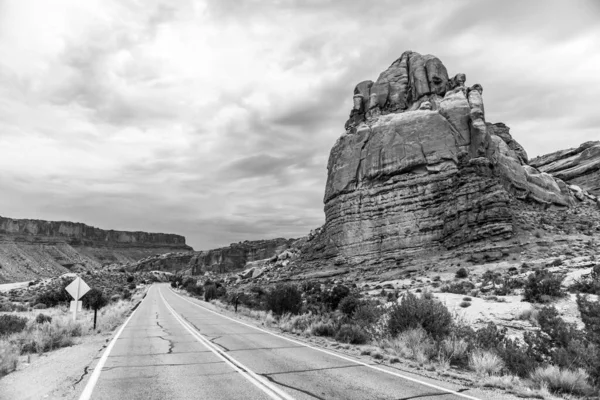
<point>76,300</point>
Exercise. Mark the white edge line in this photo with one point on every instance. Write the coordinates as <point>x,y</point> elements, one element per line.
<point>431,385</point>
<point>267,387</point>
<point>91,383</point>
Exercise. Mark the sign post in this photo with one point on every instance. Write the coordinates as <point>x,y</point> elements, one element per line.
<point>77,289</point>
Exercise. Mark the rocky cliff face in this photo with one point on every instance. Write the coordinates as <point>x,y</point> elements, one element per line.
<point>226,259</point>
<point>580,166</point>
<point>33,248</point>
<point>419,168</point>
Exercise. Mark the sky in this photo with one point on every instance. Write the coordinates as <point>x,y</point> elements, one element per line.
<point>214,119</point>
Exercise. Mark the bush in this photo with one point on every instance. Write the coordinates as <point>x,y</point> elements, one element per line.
<point>563,380</point>
<point>322,328</point>
<point>130,279</point>
<point>11,324</point>
<point>367,313</point>
<point>352,334</point>
<point>465,304</point>
<point>210,292</point>
<point>462,273</point>
<point>284,299</point>
<point>94,299</point>
<point>9,355</point>
<point>43,318</point>
<point>542,286</point>
<point>349,304</point>
<point>333,297</point>
<point>485,362</point>
<point>413,343</point>
<point>55,296</point>
<point>131,286</point>
<point>126,294</point>
<point>463,287</point>
<point>414,312</point>
<point>39,306</point>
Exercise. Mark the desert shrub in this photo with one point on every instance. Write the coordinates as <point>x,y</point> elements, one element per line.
<point>131,286</point>
<point>39,306</point>
<point>465,304</point>
<point>130,279</point>
<point>11,324</point>
<point>53,335</point>
<point>333,297</point>
<point>367,313</point>
<point>556,262</point>
<point>413,343</point>
<point>210,292</point>
<point>542,286</point>
<point>414,312</point>
<point>284,298</point>
<point>55,296</point>
<point>462,273</point>
<point>43,318</point>
<point>348,304</point>
<point>588,284</point>
<point>462,287</point>
<point>94,299</point>
<point>485,362</point>
<point>454,349</point>
<point>562,380</point>
<point>173,284</point>
<point>192,287</point>
<point>126,294</point>
<point>323,328</point>
<point>9,355</point>
<point>352,334</point>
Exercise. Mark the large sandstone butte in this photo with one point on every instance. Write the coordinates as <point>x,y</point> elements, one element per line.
<point>580,166</point>
<point>32,248</point>
<point>419,168</point>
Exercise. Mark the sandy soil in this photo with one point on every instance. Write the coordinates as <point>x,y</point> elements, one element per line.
<point>5,287</point>
<point>53,375</point>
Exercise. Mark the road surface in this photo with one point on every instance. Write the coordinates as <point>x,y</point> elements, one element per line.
<point>173,348</point>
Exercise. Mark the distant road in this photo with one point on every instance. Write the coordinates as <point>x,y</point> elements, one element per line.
<point>173,348</point>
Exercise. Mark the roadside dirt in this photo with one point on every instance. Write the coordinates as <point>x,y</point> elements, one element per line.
<point>53,375</point>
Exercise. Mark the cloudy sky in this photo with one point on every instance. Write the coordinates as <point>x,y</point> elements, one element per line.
<point>214,119</point>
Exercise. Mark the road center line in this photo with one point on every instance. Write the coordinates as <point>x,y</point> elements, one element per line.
<point>263,384</point>
<point>431,385</point>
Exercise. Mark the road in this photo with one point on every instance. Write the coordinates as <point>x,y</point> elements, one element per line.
<point>173,348</point>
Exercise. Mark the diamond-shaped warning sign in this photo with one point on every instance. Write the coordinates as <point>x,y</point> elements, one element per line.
<point>77,288</point>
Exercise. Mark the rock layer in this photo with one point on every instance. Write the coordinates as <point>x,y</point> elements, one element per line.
<point>579,166</point>
<point>34,248</point>
<point>419,168</point>
<point>225,259</point>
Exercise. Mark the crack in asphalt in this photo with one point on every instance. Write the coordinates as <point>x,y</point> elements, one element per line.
<point>431,394</point>
<point>85,372</point>
<point>314,369</point>
<point>171,345</point>
<point>159,365</point>
<point>273,380</point>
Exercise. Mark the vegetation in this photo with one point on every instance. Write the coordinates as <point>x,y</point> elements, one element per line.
<point>542,286</point>
<point>284,299</point>
<point>11,324</point>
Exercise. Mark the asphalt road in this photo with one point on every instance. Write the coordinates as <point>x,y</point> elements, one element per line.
<point>172,348</point>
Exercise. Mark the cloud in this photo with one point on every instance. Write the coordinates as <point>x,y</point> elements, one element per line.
<point>215,119</point>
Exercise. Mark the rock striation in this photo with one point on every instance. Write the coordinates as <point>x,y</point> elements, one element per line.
<point>35,248</point>
<point>418,168</point>
<point>579,166</point>
<point>234,257</point>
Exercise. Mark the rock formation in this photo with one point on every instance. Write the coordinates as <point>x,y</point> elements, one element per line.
<point>33,248</point>
<point>580,166</point>
<point>420,168</point>
<point>234,257</point>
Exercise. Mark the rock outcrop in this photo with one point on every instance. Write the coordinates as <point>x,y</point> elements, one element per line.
<point>32,248</point>
<point>234,257</point>
<point>419,168</point>
<point>579,166</point>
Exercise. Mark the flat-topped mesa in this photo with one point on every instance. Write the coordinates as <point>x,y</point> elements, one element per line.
<point>419,166</point>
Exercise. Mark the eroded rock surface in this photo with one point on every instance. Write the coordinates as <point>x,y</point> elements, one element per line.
<point>419,167</point>
<point>579,166</point>
<point>32,248</point>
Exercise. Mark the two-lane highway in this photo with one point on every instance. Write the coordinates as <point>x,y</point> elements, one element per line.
<point>174,348</point>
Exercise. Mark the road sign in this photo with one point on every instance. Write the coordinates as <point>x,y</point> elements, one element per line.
<point>77,288</point>
<point>74,303</point>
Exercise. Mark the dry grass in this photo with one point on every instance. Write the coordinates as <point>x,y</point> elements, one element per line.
<point>485,362</point>
<point>563,380</point>
<point>9,355</point>
<point>414,344</point>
